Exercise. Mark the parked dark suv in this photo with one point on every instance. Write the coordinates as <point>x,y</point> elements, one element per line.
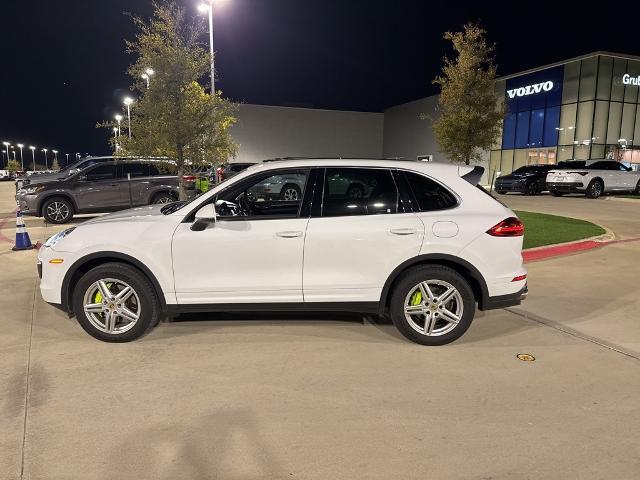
<point>530,180</point>
<point>103,187</point>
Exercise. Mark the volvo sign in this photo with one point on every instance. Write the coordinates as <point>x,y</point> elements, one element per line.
<point>530,89</point>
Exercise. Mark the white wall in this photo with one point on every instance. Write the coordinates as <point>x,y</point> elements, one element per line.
<point>268,132</point>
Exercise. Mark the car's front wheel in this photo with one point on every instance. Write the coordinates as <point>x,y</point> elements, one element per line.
<point>290,192</point>
<point>637,190</point>
<point>555,193</point>
<point>163,197</point>
<point>432,305</point>
<point>531,188</point>
<point>57,210</point>
<point>116,303</point>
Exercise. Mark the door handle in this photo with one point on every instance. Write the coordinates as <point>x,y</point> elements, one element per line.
<point>289,234</point>
<point>404,231</point>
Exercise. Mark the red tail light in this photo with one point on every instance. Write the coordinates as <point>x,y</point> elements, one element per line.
<point>189,178</point>
<point>509,227</point>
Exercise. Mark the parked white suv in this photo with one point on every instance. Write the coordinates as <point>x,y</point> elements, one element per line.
<point>422,243</point>
<point>592,177</point>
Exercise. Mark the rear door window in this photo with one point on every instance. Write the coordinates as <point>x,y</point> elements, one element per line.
<point>134,170</point>
<point>429,194</point>
<point>359,191</point>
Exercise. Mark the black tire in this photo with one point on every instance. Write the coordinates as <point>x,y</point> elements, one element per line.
<point>501,192</point>
<point>149,305</point>
<point>556,193</point>
<point>637,190</point>
<point>163,197</point>
<point>595,188</point>
<point>355,191</point>
<point>407,283</point>
<point>531,189</point>
<point>288,190</point>
<point>57,210</point>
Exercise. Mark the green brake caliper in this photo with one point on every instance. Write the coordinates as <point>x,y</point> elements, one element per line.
<point>416,298</point>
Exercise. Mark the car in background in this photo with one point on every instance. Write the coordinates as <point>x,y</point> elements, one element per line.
<point>5,175</point>
<point>228,170</point>
<point>529,179</point>
<point>593,178</point>
<point>103,187</point>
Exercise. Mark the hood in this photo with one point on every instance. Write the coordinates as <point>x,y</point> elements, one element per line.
<point>139,214</point>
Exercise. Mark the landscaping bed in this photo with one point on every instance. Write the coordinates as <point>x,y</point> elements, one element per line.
<point>542,229</point>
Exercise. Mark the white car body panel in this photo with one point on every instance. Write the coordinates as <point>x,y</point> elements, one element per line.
<point>328,259</point>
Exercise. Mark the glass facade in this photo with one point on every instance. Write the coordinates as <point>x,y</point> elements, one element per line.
<point>584,109</point>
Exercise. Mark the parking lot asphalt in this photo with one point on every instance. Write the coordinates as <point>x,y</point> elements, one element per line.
<point>335,396</point>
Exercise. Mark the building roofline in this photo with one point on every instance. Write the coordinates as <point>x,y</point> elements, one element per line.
<point>574,59</point>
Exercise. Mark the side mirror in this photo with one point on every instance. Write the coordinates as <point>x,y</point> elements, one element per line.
<point>204,217</point>
<point>82,178</point>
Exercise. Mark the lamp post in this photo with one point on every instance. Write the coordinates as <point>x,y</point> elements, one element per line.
<point>128,101</point>
<point>14,155</point>
<point>208,8</point>
<point>55,155</point>
<point>33,155</point>
<point>21,146</point>
<point>147,75</point>
<point>115,135</point>
<point>6,145</point>
<point>46,160</point>
<point>118,119</point>
<point>67,162</point>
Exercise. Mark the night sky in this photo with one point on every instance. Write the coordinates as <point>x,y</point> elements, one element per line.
<point>63,62</point>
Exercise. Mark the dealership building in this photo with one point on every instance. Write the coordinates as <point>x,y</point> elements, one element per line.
<point>581,108</point>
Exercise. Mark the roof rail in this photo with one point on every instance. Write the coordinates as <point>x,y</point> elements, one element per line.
<point>280,159</point>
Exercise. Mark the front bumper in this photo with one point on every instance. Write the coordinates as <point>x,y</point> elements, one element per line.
<point>28,204</point>
<point>509,187</point>
<point>564,186</point>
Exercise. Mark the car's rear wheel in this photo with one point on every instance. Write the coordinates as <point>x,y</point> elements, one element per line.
<point>115,303</point>
<point>501,192</point>
<point>290,192</point>
<point>57,210</point>
<point>432,305</point>
<point>556,193</point>
<point>531,188</point>
<point>164,197</point>
<point>595,188</point>
<point>637,190</point>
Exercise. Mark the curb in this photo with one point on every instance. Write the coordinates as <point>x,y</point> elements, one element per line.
<point>567,248</point>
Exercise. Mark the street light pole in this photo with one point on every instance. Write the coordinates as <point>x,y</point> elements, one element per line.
<point>33,155</point>
<point>6,145</point>
<point>208,7</point>
<point>21,146</point>
<point>67,162</point>
<point>119,119</point>
<point>46,160</point>
<point>55,154</point>
<point>147,75</point>
<point>128,101</point>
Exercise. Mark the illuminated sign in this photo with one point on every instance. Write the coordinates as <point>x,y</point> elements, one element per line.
<point>629,80</point>
<point>530,89</point>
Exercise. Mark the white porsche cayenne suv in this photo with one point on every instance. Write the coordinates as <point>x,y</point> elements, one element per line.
<point>422,244</point>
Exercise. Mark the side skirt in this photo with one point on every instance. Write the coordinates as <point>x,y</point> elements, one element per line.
<point>360,307</point>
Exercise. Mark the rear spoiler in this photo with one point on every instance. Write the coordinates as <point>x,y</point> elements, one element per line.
<point>471,174</point>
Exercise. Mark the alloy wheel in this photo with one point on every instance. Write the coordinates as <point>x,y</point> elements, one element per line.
<point>112,306</point>
<point>290,194</point>
<point>433,308</point>
<point>58,211</point>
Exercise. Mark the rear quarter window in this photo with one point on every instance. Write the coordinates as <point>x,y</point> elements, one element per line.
<point>429,194</point>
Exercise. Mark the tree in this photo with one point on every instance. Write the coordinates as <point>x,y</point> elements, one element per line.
<point>175,117</point>
<point>470,115</point>
<point>13,166</point>
<point>55,166</point>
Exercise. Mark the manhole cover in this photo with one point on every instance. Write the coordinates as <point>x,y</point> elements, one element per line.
<point>525,357</point>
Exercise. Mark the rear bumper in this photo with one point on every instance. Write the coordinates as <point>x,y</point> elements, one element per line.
<point>564,186</point>
<point>504,301</point>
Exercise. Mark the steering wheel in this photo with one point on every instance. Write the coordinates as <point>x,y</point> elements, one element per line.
<point>245,208</point>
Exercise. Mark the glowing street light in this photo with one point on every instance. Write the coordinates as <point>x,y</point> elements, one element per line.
<point>33,155</point>
<point>207,8</point>
<point>118,119</point>
<point>21,146</point>
<point>55,153</point>
<point>128,101</point>
<point>67,163</point>
<point>6,145</point>
<point>46,160</point>
<point>148,73</point>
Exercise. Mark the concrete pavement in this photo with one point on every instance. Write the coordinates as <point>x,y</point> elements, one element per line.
<point>334,396</point>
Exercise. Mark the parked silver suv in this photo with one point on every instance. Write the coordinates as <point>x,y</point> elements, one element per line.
<point>103,187</point>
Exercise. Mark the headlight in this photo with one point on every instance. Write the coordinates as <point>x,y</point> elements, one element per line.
<point>31,190</point>
<point>58,236</point>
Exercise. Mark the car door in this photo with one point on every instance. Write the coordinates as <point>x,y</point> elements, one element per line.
<point>252,253</point>
<point>97,188</point>
<point>135,182</point>
<point>357,237</point>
